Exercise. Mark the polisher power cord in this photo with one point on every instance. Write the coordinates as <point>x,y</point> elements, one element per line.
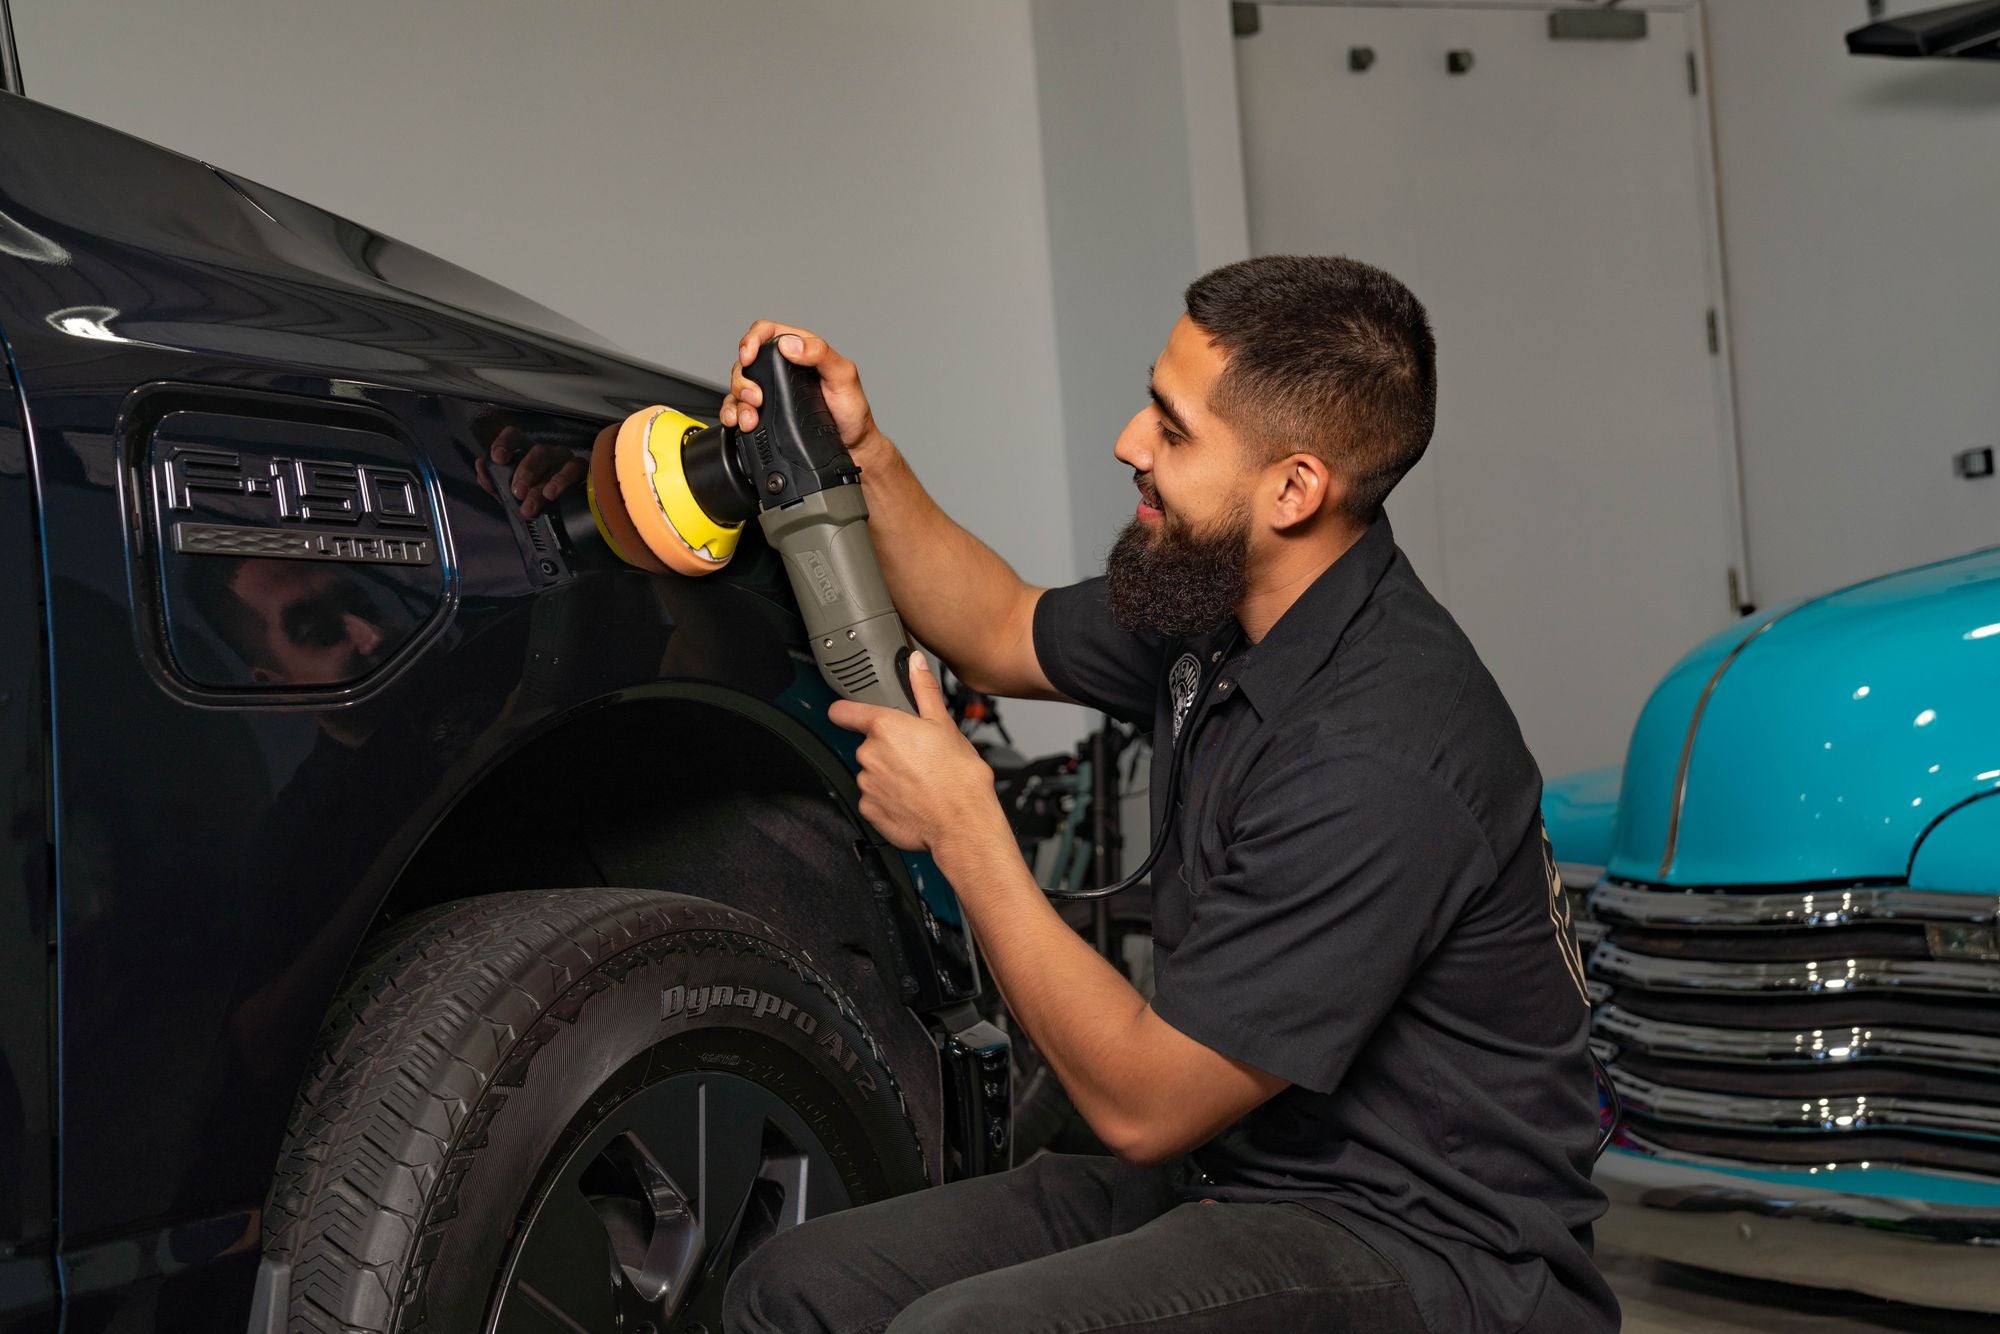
<point>1159,843</point>
<point>1617,1105</point>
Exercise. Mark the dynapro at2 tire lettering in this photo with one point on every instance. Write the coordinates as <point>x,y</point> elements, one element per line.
<point>573,1109</point>
<point>698,1001</point>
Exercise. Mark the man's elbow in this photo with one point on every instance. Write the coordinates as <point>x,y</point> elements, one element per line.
<point>1145,1145</point>
<point>1146,1155</point>
<point>1007,665</point>
<point>979,677</point>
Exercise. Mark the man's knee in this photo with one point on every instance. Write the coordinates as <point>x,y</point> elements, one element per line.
<point>770,1292</point>
<point>970,1305</point>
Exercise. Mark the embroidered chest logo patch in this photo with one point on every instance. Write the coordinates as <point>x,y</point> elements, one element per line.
<point>1182,682</point>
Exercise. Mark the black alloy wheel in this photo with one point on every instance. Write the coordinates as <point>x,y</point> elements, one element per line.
<point>564,1111</point>
<point>674,1188</point>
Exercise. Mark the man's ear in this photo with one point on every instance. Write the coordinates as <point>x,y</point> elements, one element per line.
<point>1306,486</point>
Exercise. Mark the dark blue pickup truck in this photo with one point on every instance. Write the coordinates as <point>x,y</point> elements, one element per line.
<point>412,917</point>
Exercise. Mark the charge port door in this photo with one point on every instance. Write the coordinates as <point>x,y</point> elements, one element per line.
<point>292,556</point>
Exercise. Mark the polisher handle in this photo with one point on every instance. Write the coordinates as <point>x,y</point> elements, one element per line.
<point>796,447</point>
<point>857,637</point>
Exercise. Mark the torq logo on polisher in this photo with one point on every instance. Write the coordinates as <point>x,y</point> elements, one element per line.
<point>670,494</point>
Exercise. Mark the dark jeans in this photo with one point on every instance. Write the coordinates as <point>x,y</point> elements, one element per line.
<point>1067,1244</point>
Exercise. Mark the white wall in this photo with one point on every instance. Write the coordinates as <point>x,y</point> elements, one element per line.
<point>662,173</point>
<point>1121,230</point>
<point>1143,162</point>
<point>1860,205</point>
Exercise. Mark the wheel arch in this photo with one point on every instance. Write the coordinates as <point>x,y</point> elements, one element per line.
<point>701,790</point>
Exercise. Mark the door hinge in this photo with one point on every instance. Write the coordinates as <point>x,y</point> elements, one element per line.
<point>1714,333</point>
<point>1244,20</point>
<point>1694,76</point>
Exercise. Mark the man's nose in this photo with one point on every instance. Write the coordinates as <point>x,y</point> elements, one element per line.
<point>363,634</point>
<point>1133,449</point>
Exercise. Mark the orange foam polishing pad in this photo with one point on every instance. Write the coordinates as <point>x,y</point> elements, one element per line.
<point>607,505</point>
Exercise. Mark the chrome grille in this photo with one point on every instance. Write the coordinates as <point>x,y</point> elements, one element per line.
<point>1779,1026</point>
<point>1795,1046</point>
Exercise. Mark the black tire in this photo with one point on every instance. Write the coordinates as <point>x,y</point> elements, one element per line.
<point>597,1101</point>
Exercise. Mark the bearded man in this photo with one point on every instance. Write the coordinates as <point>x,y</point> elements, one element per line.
<point>1360,1098</point>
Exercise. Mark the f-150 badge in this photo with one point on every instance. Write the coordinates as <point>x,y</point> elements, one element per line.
<point>291,555</point>
<point>379,511</point>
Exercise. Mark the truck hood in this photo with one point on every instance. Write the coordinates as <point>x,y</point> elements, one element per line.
<point>1821,741</point>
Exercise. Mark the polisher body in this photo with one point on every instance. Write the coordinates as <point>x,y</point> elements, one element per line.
<point>675,495</point>
<point>857,637</point>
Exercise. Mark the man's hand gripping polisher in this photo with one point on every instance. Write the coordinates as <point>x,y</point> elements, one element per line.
<point>670,494</point>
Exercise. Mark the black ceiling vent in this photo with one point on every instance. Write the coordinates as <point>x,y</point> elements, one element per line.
<point>1964,32</point>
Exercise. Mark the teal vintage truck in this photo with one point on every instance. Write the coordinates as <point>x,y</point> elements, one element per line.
<point>1787,895</point>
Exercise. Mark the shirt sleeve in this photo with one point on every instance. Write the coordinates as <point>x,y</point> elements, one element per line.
<point>1092,659</point>
<point>1339,876</point>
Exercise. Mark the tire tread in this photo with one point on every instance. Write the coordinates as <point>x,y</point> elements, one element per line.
<point>441,1008</point>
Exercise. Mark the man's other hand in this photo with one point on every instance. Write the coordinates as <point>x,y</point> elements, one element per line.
<point>921,780</point>
<point>542,472</point>
<point>838,379</point>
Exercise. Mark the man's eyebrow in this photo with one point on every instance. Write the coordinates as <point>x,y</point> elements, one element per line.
<point>1166,409</point>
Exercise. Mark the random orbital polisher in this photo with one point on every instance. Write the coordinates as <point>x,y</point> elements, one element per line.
<point>670,494</point>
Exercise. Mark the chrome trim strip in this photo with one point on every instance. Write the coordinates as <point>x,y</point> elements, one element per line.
<point>1579,877</point>
<point>1694,725</point>
<point>1875,1208</point>
<point>1588,933</point>
<point>1837,1116</point>
<point>1935,1255</point>
<point>1830,1046</point>
<point>1641,905</point>
<point>1831,976</point>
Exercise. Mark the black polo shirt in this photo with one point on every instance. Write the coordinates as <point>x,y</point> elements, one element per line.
<point>1358,898</point>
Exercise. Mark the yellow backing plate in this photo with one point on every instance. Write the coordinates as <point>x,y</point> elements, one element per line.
<point>662,509</point>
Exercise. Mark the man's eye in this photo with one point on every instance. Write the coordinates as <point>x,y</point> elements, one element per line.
<point>1168,437</point>
<point>314,623</point>
<point>316,631</point>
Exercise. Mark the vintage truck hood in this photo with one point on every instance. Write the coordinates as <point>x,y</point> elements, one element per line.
<point>1820,741</point>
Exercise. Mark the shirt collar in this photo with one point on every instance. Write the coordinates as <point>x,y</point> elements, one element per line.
<point>1305,636</point>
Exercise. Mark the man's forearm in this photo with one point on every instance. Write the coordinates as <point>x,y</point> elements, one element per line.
<point>1081,1013</point>
<point>953,591</point>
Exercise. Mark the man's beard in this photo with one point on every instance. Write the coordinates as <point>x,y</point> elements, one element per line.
<point>1180,582</point>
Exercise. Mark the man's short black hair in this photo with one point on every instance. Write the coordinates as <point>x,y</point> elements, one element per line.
<point>1327,356</point>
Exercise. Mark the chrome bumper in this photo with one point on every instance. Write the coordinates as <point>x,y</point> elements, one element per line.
<point>1903,1250</point>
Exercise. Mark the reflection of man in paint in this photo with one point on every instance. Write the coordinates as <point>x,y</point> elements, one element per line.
<point>294,623</point>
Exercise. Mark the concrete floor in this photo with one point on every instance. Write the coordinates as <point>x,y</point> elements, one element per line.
<point>1671,1299</point>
